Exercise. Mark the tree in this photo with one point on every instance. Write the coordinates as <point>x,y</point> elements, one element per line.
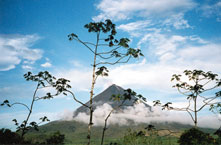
<point>9,137</point>
<point>194,136</point>
<point>128,95</point>
<point>218,133</point>
<point>43,80</point>
<point>197,87</point>
<point>107,50</point>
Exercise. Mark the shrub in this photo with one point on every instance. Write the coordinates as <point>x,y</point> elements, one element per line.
<point>194,136</point>
<point>56,138</point>
<point>9,137</point>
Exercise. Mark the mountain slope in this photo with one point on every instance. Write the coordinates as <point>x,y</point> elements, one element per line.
<point>104,97</point>
<point>75,132</point>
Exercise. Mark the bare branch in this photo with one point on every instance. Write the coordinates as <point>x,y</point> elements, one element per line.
<point>118,61</point>
<point>89,43</point>
<point>108,52</point>
<point>77,39</point>
<point>77,99</point>
<point>206,103</point>
<point>16,103</point>
<point>190,115</point>
<point>207,82</point>
<point>109,57</point>
<point>184,93</point>
<point>210,89</point>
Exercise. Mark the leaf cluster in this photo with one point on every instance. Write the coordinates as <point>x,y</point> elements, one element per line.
<point>197,76</point>
<point>128,95</point>
<point>25,128</point>
<point>102,71</point>
<point>164,106</point>
<point>45,79</point>
<point>6,102</point>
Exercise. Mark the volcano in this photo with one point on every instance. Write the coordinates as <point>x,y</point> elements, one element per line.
<point>104,97</point>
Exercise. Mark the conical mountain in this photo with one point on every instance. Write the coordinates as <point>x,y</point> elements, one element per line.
<point>104,97</point>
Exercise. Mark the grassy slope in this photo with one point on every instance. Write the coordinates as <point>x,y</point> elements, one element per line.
<point>75,132</point>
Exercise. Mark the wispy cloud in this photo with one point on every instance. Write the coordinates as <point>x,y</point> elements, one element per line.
<point>17,48</point>
<point>177,21</point>
<point>212,10</point>
<point>125,9</point>
<point>136,28</point>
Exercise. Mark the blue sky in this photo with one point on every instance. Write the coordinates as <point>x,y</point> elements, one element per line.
<point>174,35</point>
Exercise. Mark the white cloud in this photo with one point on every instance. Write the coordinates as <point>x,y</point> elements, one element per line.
<point>80,78</point>
<point>76,63</point>
<point>125,9</point>
<point>177,21</point>
<point>141,114</point>
<point>46,64</point>
<point>135,28</point>
<point>17,48</point>
<point>27,67</point>
<point>66,115</point>
<point>160,44</point>
<point>212,10</point>
<point>172,55</point>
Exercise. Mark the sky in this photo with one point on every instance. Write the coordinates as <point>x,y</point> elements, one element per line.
<point>174,35</point>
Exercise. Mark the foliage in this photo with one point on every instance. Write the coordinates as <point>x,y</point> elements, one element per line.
<point>199,83</point>
<point>107,50</point>
<point>141,137</point>
<point>9,137</point>
<point>194,136</point>
<point>43,80</point>
<point>56,138</point>
<point>218,133</point>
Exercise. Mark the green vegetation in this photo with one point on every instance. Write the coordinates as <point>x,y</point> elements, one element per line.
<point>9,137</point>
<point>140,138</point>
<point>75,132</point>
<point>194,136</point>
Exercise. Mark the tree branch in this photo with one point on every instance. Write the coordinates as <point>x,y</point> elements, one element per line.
<point>77,99</point>
<point>77,39</point>
<point>16,103</point>
<point>118,61</point>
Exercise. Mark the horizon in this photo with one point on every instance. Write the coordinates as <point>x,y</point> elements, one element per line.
<point>174,35</point>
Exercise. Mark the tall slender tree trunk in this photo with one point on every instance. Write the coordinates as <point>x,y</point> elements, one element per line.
<point>195,112</point>
<point>92,93</point>
<point>91,102</point>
